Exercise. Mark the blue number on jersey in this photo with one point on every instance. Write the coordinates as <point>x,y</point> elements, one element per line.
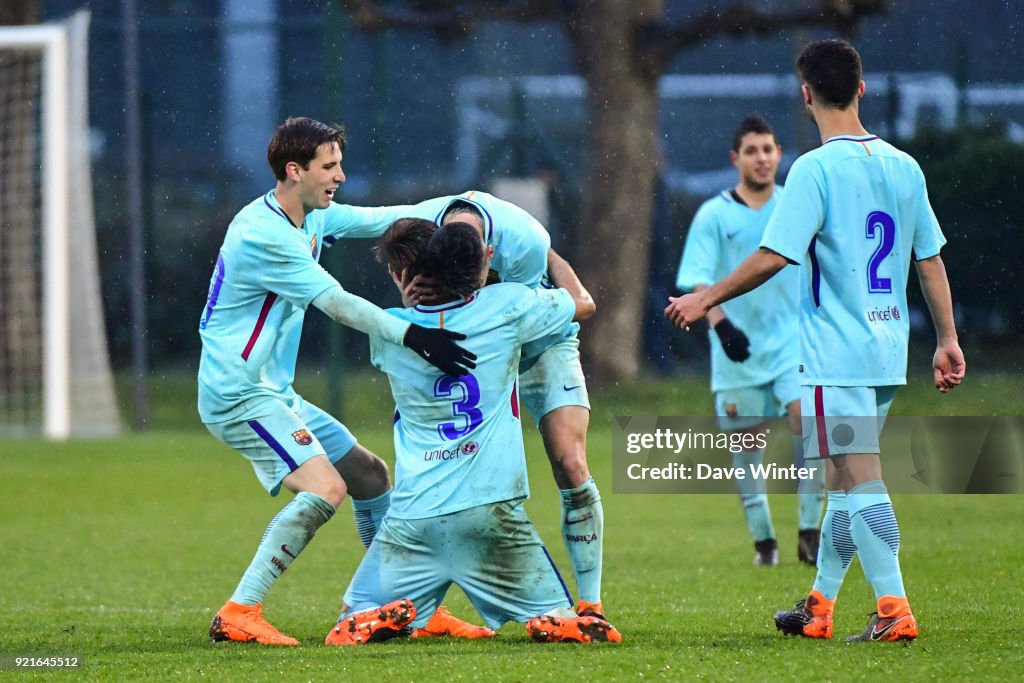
<point>880,221</point>
<point>465,406</point>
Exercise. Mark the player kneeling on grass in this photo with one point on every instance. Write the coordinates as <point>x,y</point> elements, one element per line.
<point>457,512</point>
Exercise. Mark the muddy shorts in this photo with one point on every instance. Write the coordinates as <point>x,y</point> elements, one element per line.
<point>492,552</point>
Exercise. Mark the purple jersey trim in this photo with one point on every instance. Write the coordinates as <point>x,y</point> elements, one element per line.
<point>214,291</point>
<point>280,213</point>
<point>446,307</point>
<point>273,443</point>
<point>568,595</point>
<point>487,215</point>
<point>867,139</point>
<point>815,273</point>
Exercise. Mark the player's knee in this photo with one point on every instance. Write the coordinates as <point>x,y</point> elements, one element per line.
<point>333,492</point>
<point>565,439</point>
<point>571,469</point>
<point>377,475</point>
<point>330,488</point>
<point>365,474</point>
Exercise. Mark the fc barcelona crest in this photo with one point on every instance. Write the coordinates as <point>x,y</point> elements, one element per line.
<point>302,437</point>
<point>312,246</point>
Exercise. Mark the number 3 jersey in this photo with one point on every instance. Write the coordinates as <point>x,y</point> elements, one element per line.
<point>459,441</point>
<point>855,212</point>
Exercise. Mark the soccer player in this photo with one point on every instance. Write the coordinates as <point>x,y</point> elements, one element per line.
<point>551,380</point>
<point>267,274</point>
<point>854,215</point>
<point>457,511</point>
<point>755,345</point>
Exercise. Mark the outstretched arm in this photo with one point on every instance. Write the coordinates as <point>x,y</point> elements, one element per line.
<point>755,270</point>
<point>565,277</point>
<point>356,312</point>
<point>715,314</point>
<point>948,362</point>
<point>437,347</point>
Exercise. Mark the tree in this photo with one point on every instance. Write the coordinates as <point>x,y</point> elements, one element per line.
<point>621,49</point>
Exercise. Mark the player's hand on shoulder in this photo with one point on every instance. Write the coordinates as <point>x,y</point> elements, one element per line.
<point>438,347</point>
<point>734,342</point>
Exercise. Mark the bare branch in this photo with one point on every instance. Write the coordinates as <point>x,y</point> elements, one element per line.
<point>450,19</point>
<point>658,43</point>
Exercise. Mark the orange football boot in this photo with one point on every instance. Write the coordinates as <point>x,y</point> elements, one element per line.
<point>549,629</point>
<point>893,621</point>
<point>811,618</point>
<point>245,624</point>
<point>590,609</point>
<point>444,623</point>
<point>374,625</point>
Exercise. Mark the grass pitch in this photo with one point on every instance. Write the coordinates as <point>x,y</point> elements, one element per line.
<point>120,552</point>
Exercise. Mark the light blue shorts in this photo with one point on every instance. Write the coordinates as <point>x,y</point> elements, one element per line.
<point>553,379</point>
<point>492,552</point>
<point>843,420</point>
<point>277,437</point>
<point>756,405</point>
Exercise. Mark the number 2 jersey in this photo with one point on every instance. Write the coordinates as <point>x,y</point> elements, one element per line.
<point>854,214</point>
<point>459,441</point>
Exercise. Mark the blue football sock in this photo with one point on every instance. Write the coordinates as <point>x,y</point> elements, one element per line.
<point>753,496</point>
<point>874,530</point>
<point>286,535</point>
<point>810,492</point>
<point>583,533</point>
<point>368,514</point>
<point>836,551</point>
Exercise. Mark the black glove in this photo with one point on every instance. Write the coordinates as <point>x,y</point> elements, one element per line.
<point>438,348</point>
<point>734,342</point>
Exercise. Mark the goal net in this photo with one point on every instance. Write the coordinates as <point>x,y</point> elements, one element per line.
<point>55,376</point>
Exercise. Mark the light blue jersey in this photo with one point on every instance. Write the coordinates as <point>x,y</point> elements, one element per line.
<point>519,240</point>
<point>267,273</point>
<point>854,214</point>
<point>459,441</point>
<point>723,233</point>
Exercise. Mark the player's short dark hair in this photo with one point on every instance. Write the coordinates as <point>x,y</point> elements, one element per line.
<point>403,243</point>
<point>751,123</point>
<point>832,70</point>
<point>459,208</point>
<point>454,258</point>
<point>298,139</point>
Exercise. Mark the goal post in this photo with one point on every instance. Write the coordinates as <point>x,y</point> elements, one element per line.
<point>56,375</point>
